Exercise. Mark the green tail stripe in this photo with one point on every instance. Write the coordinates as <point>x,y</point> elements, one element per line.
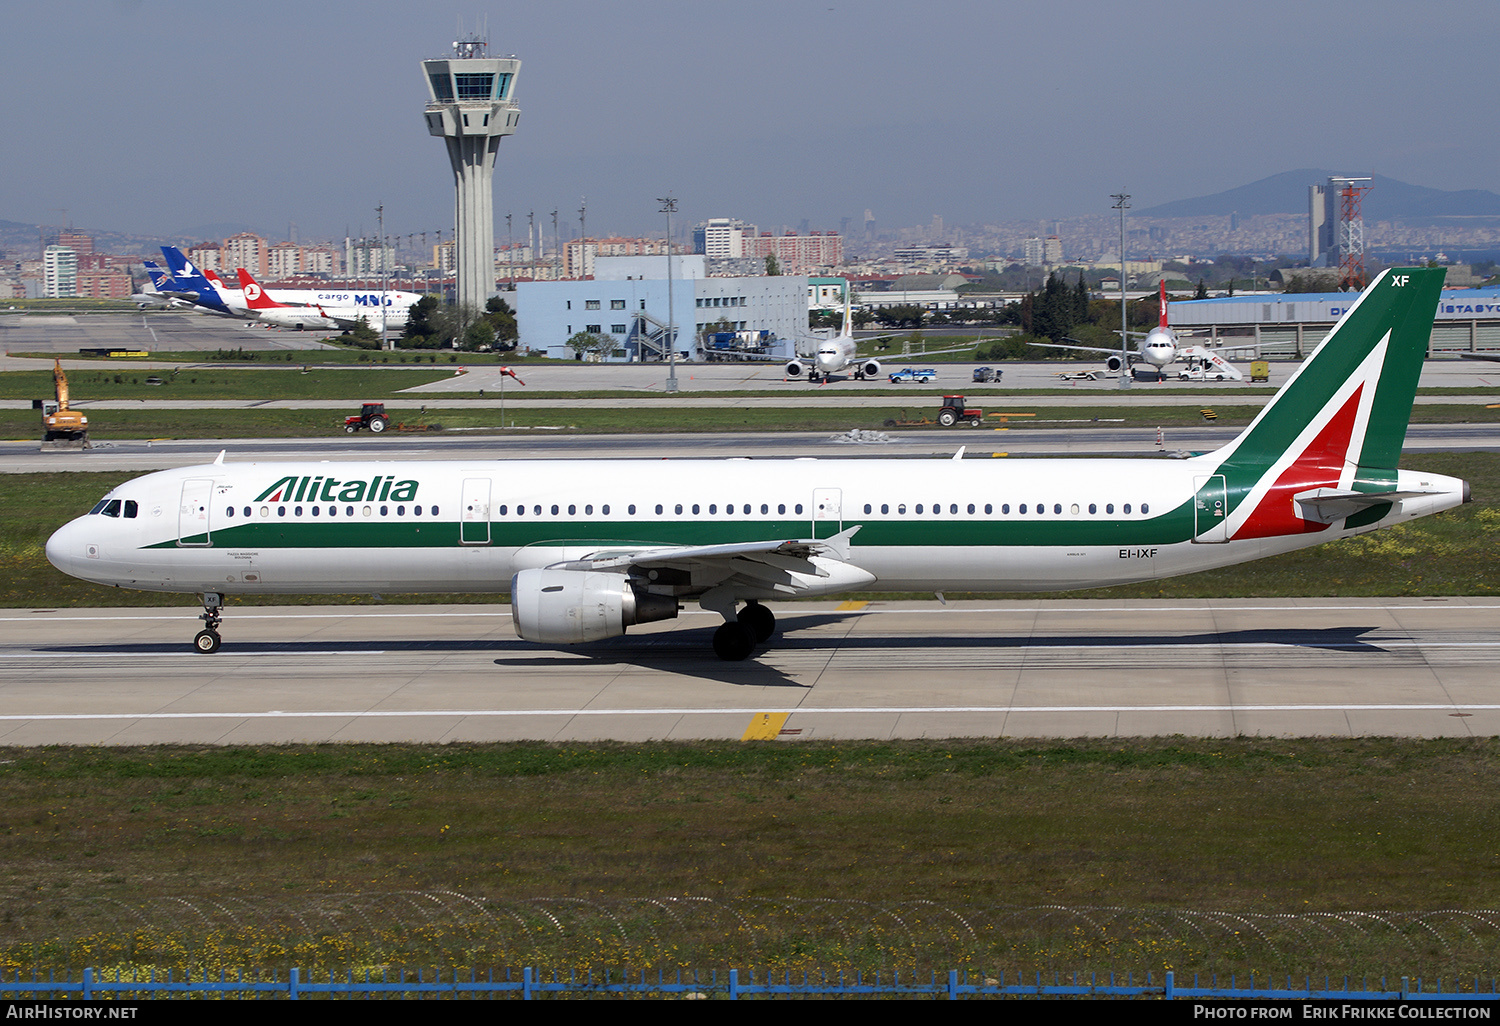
<point>1402,301</point>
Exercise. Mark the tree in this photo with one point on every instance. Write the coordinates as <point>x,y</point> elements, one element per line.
<point>585,343</point>
<point>1202,292</point>
<point>502,321</point>
<point>773,267</point>
<point>361,336</point>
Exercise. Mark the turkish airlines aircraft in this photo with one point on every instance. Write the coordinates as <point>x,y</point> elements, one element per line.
<point>268,311</point>
<point>587,549</point>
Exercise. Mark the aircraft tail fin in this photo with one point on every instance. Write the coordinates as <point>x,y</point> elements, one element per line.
<point>1340,422</point>
<point>255,296</point>
<point>160,280</point>
<point>1162,301</point>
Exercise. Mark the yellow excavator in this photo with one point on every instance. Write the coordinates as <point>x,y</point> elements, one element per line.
<point>65,428</point>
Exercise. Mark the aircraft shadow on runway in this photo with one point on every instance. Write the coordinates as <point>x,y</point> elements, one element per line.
<point>689,652</point>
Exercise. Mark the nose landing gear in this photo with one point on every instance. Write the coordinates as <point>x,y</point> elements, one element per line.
<point>207,640</point>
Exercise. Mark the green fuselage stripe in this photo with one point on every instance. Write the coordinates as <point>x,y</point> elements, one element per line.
<point>945,531</point>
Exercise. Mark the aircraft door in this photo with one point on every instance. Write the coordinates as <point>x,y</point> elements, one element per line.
<point>1209,510</point>
<point>827,512</point>
<point>474,512</point>
<point>192,513</point>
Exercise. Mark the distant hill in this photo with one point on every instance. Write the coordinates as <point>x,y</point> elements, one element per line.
<point>1286,193</point>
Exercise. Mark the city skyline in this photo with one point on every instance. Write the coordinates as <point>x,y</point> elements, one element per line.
<point>975,113</point>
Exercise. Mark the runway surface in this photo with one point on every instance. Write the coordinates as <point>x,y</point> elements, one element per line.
<point>1331,667</point>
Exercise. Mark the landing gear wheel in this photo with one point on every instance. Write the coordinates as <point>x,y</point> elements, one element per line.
<point>207,640</point>
<point>758,620</point>
<point>733,642</point>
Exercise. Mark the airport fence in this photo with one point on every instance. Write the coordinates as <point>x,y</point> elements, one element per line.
<point>529,984</point>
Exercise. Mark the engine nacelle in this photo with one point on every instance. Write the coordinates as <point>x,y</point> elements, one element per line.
<point>870,368</point>
<point>565,607</point>
<point>1113,364</point>
<point>794,369</point>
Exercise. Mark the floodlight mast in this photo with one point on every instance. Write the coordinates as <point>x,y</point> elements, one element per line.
<point>471,106</point>
<point>1122,204</point>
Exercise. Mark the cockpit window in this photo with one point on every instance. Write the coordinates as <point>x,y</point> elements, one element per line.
<point>99,507</point>
<point>131,508</point>
<point>111,508</point>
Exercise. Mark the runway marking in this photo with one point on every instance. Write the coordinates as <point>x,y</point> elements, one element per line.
<point>106,654</point>
<point>252,616</point>
<point>765,727</point>
<point>843,711</point>
<point>852,606</point>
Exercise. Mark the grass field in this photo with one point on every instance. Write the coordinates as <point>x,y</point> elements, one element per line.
<point>804,841</point>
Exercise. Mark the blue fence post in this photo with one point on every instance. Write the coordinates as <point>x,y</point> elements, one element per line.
<point>526,984</point>
<point>88,983</point>
<point>952,984</point>
<point>1171,978</point>
<point>292,978</point>
<point>734,984</point>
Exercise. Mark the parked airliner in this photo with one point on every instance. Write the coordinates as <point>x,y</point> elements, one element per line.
<point>1160,348</point>
<point>345,306</point>
<point>587,549</point>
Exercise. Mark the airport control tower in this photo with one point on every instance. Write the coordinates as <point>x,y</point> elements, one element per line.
<point>470,105</point>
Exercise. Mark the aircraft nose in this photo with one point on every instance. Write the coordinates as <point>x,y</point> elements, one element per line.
<point>66,549</point>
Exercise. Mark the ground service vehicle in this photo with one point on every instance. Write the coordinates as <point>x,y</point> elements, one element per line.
<point>372,416</point>
<point>59,423</point>
<point>922,376</point>
<point>983,375</point>
<point>954,410</point>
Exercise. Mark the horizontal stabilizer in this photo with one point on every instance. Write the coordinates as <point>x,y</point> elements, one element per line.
<point>1330,505</point>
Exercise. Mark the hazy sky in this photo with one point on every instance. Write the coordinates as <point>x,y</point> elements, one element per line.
<point>148,116</point>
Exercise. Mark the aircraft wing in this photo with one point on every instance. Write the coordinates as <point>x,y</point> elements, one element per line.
<point>783,565</point>
<point>1085,349</point>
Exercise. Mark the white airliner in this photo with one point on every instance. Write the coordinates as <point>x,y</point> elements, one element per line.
<point>1160,348</point>
<point>589,548</point>
<point>268,311</point>
<point>832,355</point>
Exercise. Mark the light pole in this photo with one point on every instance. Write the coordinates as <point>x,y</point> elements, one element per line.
<point>668,206</point>
<point>380,221</point>
<point>1122,204</point>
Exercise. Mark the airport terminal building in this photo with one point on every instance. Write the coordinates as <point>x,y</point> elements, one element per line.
<point>1290,325</point>
<point>626,301</point>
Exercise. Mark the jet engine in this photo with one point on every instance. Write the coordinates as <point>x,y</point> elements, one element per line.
<point>565,607</point>
<point>1113,364</point>
<point>870,368</point>
<point>794,368</point>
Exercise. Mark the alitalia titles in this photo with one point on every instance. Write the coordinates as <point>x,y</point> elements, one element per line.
<point>330,489</point>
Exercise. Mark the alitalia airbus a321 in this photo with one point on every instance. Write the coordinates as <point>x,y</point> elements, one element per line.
<point>587,549</point>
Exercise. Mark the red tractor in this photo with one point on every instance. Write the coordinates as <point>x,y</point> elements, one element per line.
<point>371,415</point>
<point>954,410</point>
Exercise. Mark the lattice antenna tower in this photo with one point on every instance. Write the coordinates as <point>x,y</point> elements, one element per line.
<point>1351,231</point>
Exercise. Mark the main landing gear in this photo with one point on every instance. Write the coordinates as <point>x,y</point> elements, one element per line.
<point>207,640</point>
<point>735,639</point>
